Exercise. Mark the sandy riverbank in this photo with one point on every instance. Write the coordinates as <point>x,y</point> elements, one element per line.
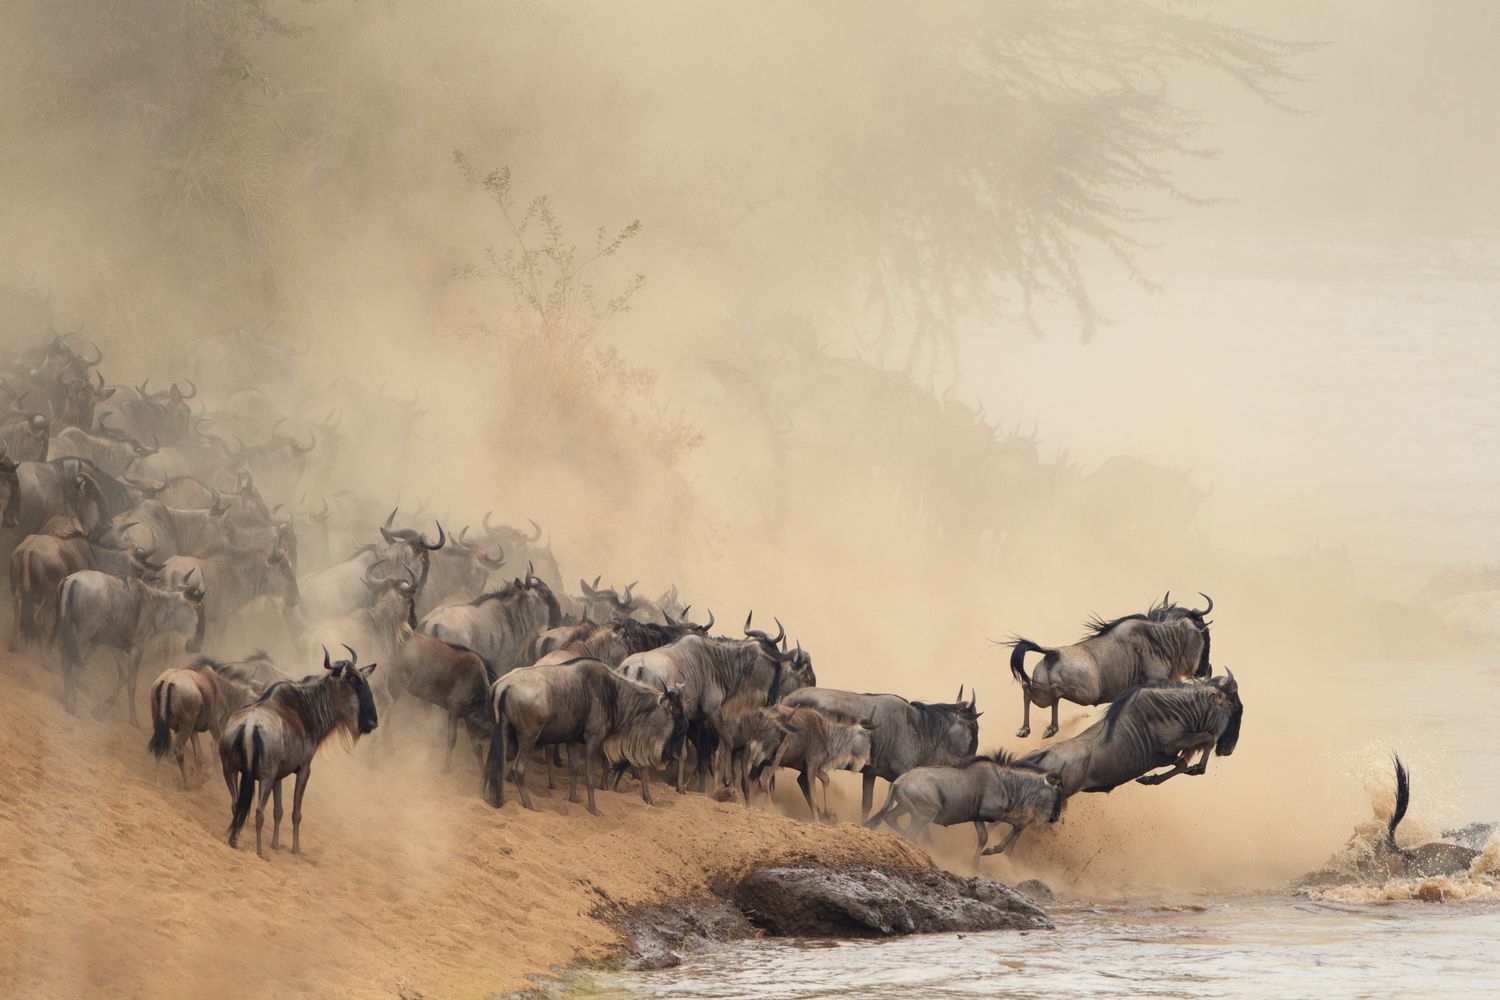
<point>119,886</point>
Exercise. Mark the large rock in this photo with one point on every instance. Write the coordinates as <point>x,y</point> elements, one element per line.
<point>873,901</point>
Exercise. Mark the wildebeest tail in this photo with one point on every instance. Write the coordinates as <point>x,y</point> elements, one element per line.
<point>494,764</point>
<point>1403,799</point>
<point>250,755</point>
<point>63,635</point>
<point>879,817</point>
<point>161,711</point>
<point>1018,649</point>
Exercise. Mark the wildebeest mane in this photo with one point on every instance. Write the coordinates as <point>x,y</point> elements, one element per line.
<point>1002,757</point>
<point>933,719</point>
<point>504,593</point>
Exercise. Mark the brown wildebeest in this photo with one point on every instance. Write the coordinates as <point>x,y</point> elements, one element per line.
<point>197,698</point>
<point>278,735</point>
<point>581,701</point>
<point>817,742</point>
<point>453,678</point>
<point>41,561</point>
<point>984,789</point>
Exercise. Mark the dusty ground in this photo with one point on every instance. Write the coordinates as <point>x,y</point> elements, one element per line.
<point>120,885</point>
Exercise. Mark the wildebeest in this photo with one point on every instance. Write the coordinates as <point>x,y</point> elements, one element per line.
<point>984,789</point>
<point>278,462</point>
<point>67,486</point>
<point>197,698</point>
<point>111,450</point>
<point>453,678</point>
<point>24,437</point>
<point>520,545</point>
<point>602,603</point>
<point>175,531</point>
<point>375,627</point>
<point>614,640</point>
<point>10,489</point>
<point>74,397</point>
<point>907,734</point>
<point>815,743</point>
<point>1165,643</point>
<point>721,678</point>
<point>233,577</point>
<point>280,733</point>
<point>41,561</point>
<point>1151,726</point>
<point>96,609</point>
<point>581,701</point>
<point>459,571</point>
<point>500,625</point>
<point>340,588</point>
<point>163,416</point>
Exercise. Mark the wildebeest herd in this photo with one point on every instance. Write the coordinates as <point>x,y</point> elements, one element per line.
<point>143,518</point>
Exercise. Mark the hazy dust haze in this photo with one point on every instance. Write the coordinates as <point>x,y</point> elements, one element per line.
<point>881,243</point>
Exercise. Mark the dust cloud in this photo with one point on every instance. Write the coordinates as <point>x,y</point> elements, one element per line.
<point>819,402</point>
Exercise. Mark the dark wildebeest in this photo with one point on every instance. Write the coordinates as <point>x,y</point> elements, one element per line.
<point>174,531</point>
<point>340,588</point>
<point>74,398</point>
<point>453,678</point>
<point>96,609</point>
<point>581,701</point>
<point>110,450</point>
<point>721,678</point>
<point>10,490</point>
<point>984,789</point>
<point>280,734</point>
<point>815,743</point>
<point>42,561</point>
<point>197,698</point>
<point>501,625</point>
<point>161,416</point>
<point>1151,726</point>
<point>1166,643</point>
<point>907,734</point>
<point>67,486</point>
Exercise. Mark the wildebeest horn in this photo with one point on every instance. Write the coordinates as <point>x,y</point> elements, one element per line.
<point>463,535</point>
<point>1205,611</point>
<point>668,616</point>
<point>747,620</point>
<point>442,539</point>
<point>488,528</point>
<point>98,357</point>
<point>780,633</point>
<point>391,517</point>
<point>142,387</point>
<point>710,623</point>
<point>327,662</point>
<point>496,561</point>
<point>323,514</point>
<point>530,574</point>
<point>189,382</point>
<point>960,693</point>
<point>538,536</point>
<point>353,656</point>
<point>584,587</point>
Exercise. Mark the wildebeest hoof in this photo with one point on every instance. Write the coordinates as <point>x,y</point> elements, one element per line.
<point>1150,779</point>
<point>101,712</point>
<point>989,850</point>
<point>594,811</point>
<point>574,799</point>
<point>1023,732</point>
<point>1049,732</point>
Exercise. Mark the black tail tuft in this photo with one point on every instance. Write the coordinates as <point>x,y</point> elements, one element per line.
<point>1403,799</point>
<point>161,711</point>
<point>1018,649</point>
<point>494,764</point>
<point>247,782</point>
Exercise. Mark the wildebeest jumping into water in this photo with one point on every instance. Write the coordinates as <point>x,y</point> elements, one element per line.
<point>984,789</point>
<point>1151,726</point>
<point>279,734</point>
<point>1167,642</point>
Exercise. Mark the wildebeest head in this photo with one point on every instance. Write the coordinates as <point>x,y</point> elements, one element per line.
<point>352,694</point>
<point>402,588</point>
<point>602,603</point>
<point>77,397</point>
<point>285,573</point>
<point>184,610</point>
<point>1166,611</point>
<point>794,667</point>
<point>961,733</point>
<point>418,549</point>
<point>173,403</point>
<point>1228,692</point>
<point>670,700</point>
<point>115,434</point>
<point>10,490</point>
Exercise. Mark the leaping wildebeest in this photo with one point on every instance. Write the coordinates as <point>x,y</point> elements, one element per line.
<point>983,789</point>
<point>581,701</point>
<point>279,735</point>
<point>96,609</point>
<point>907,734</point>
<point>1167,642</point>
<point>1154,725</point>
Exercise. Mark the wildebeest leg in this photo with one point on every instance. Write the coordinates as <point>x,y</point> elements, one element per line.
<point>102,710</point>
<point>197,757</point>
<point>982,831</point>
<point>525,744</point>
<point>1202,766</point>
<point>302,776</point>
<point>452,741</point>
<point>182,758</point>
<point>1156,779</point>
<point>554,759</point>
<point>1051,730</point>
<point>266,787</point>
<point>644,774</point>
<point>867,794</point>
<point>1015,831</point>
<point>1025,729</point>
<point>591,751</point>
<point>135,670</point>
<point>276,816</point>
<point>573,776</point>
<point>806,786</point>
<point>828,816</point>
<point>681,772</point>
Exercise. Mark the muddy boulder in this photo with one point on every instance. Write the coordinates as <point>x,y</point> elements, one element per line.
<point>874,901</point>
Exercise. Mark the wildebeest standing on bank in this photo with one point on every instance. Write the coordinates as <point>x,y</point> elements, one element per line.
<point>42,561</point>
<point>1145,728</point>
<point>500,625</point>
<point>279,734</point>
<point>96,609</point>
<point>816,743</point>
<point>197,698</point>
<point>10,493</point>
<point>453,678</point>
<point>907,734</point>
<point>984,789</point>
<point>1166,643</point>
<point>581,701</point>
